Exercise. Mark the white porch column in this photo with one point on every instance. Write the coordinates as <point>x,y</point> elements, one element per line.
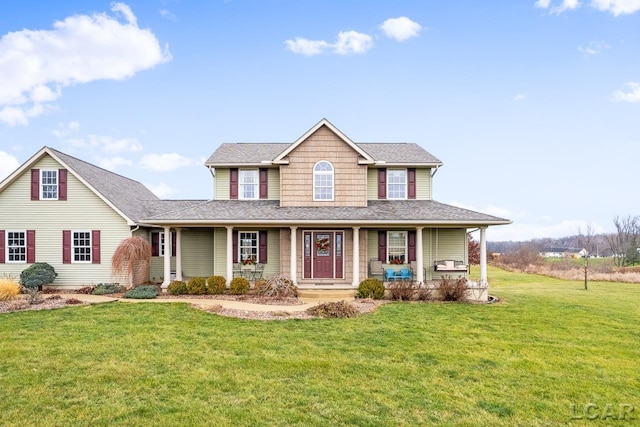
<point>294,250</point>
<point>483,256</point>
<point>167,257</point>
<point>229,253</point>
<point>356,257</point>
<point>419,256</point>
<point>178,253</point>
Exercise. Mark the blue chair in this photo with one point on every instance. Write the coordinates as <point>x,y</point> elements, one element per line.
<point>390,274</point>
<point>405,274</point>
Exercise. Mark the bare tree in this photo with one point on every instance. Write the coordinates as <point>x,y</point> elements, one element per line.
<point>131,260</point>
<point>587,241</point>
<point>624,242</point>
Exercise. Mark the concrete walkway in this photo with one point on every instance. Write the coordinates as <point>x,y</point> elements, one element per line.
<point>205,302</point>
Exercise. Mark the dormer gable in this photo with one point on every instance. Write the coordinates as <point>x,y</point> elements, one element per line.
<point>365,158</point>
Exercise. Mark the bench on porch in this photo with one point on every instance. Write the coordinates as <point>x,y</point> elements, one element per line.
<point>449,266</point>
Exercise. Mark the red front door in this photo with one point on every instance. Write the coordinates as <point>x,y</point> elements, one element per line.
<point>322,254</point>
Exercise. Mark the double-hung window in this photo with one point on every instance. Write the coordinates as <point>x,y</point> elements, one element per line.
<point>397,247</point>
<point>16,246</point>
<point>81,248</point>
<point>323,181</point>
<point>248,184</point>
<point>48,185</point>
<point>396,184</point>
<point>248,246</point>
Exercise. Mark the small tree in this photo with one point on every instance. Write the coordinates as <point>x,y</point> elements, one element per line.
<point>131,260</point>
<point>586,240</point>
<point>474,250</point>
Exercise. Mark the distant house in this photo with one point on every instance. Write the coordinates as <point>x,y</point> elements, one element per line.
<point>319,209</point>
<point>564,253</point>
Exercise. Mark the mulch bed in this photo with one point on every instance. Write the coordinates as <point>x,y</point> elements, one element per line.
<point>54,300</point>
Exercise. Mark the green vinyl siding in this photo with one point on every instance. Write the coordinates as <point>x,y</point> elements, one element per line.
<point>423,184</point>
<point>448,243</point>
<point>82,211</point>
<point>222,184</point>
<point>223,178</point>
<point>197,254</point>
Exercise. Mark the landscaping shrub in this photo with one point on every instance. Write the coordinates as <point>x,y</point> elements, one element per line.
<point>72,301</point>
<point>402,290</point>
<point>37,275</point>
<point>216,285</point>
<point>277,286</point>
<point>108,288</point>
<point>197,286</point>
<point>424,292</point>
<point>334,310</point>
<point>239,286</point>
<point>33,295</point>
<point>9,289</point>
<point>178,287</point>
<point>142,292</point>
<point>259,286</point>
<point>453,289</point>
<point>371,288</point>
<point>86,290</point>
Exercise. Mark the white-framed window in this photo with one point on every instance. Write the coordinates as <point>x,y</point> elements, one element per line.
<point>81,246</point>
<point>323,181</point>
<point>48,184</point>
<point>248,246</point>
<point>16,245</point>
<point>396,184</point>
<point>248,182</point>
<point>161,244</point>
<point>397,247</point>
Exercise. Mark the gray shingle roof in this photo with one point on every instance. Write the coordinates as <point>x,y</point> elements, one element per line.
<point>129,196</point>
<point>426,212</point>
<point>255,153</point>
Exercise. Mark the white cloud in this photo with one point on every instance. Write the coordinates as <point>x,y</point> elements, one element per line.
<point>164,162</point>
<point>166,13</point>
<point>79,49</point>
<point>307,47</point>
<point>559,8</point>
<point>62,131</point>
<point>629,93</point>
<point>161,190</point>
<point>593,48</point>
<point>347,42</point>
<point>401,28</point>
<point>8,164</point>
<point>106,144</point>
<point>542,4</point>
<point>617,7</point>
<point>352,42</point>
<point>520,97</point>
<point>112,163</point>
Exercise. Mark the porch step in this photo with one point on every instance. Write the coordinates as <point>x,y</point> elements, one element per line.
<point>326,294</point>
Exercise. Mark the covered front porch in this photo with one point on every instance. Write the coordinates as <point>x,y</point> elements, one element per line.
<point>317,257</point>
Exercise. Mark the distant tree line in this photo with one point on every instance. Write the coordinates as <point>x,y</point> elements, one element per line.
<point>623,244</point>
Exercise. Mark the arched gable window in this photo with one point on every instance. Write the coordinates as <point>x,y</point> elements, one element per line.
<point>323,181</point>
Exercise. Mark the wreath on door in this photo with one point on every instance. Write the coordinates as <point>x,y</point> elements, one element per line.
<point>322,244</point>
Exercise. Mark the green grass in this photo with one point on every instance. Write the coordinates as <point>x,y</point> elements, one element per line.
<point>546,346</point>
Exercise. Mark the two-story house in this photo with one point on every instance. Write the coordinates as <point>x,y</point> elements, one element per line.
<point>321,210</point>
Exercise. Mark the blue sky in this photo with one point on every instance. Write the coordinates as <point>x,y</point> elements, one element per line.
<point>533,106</point>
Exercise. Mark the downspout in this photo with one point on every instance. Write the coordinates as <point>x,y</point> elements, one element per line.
<point>213,175</point>
<point>435,170</point>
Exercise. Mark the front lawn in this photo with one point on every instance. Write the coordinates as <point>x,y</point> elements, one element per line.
<point>536,358</point>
